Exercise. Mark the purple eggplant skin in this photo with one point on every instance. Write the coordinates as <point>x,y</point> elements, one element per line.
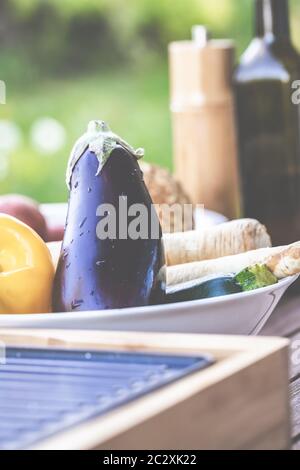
<point>94,274</point>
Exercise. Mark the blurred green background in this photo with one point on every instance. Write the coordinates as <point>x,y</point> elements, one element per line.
<point>66,62</point>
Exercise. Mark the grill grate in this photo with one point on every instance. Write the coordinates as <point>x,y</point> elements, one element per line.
<point>45,391</point>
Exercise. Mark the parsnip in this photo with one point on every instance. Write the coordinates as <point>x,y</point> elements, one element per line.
<point>285,262</point>
<point>230,238</point>
<point>218,241</point>
<point>282,261</point>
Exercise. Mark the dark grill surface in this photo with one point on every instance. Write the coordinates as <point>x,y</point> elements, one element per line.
<point>44,391</point>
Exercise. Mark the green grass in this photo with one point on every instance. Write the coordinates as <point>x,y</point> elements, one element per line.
<point>135,104</point>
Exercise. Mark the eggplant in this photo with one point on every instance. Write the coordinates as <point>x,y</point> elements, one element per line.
<point>95,273</point>
<point>251,278</point>
<point>203,289</point>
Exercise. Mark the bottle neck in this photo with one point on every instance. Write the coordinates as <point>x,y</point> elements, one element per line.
<point>272,19</point>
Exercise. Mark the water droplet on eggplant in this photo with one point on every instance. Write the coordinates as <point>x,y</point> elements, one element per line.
<point>83,222</point>
<point>76,304</point>
<point>100,262</point>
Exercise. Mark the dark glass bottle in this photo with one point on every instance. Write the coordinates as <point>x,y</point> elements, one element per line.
<point>269,124</point>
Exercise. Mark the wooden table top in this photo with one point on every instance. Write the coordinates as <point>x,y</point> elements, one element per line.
<point>285,321</point>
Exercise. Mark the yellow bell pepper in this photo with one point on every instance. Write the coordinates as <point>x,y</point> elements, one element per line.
<point>26,269</point>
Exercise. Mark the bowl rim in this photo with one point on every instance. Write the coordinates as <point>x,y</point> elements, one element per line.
<point>151,309</point>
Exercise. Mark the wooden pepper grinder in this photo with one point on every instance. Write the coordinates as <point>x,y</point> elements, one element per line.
<point>204,135</point>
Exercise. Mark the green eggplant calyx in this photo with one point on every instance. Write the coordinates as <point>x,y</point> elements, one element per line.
<point>255,277</point>
<point>100,140</point>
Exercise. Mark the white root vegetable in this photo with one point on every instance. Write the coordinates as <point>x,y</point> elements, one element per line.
<point>282,261</point>
<point>230,238</point>
<point>286,262</point>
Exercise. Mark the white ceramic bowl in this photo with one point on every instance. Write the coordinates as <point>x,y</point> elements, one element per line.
<point>242,314</point>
